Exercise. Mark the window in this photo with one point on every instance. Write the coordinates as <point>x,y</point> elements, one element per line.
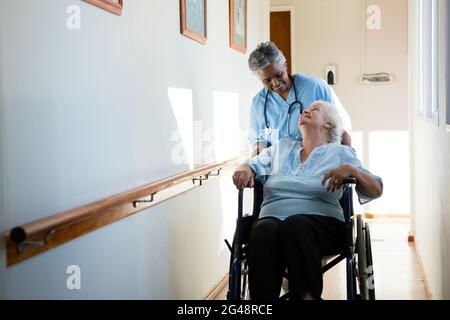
<point>419,56</point>
<point>434,63</point>
<point>427,86</point>
<point>447,50</point>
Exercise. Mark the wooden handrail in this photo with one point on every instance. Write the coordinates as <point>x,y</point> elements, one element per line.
<point>44,234</point>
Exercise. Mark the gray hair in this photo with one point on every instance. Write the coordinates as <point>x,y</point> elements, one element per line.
<point>334,118</point>
<point>265,54</point>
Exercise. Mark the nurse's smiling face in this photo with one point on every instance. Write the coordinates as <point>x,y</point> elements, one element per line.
<point>276,78</point>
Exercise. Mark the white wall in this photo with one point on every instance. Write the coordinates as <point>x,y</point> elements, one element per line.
<point>87,114</point>
<point>3,221</point>
<point>331,32</point>
<point>431,169</point>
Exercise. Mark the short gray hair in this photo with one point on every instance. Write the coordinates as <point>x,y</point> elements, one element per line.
<point>334,118</point>
<point>265,54</point>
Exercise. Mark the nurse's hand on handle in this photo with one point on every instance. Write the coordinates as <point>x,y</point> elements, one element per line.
<point>243,177</point>
<point>346,139</point>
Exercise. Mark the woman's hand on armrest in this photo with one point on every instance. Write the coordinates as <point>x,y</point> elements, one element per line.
<point>243,177</point>
<point>338,176</point>
<point>366,184</point>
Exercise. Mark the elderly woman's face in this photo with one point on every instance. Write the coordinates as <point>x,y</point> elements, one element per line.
<point>315,115</point>
<point>276,78</point>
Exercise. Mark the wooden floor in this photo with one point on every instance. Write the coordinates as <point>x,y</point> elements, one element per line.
<point>397,273</point>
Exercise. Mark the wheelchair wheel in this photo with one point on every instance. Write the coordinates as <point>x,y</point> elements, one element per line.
<point>361,258</point>
<point>234,279</point>
<point>238,288</point>
<point>370,276</point>
<point>245,292</point>
<point>238,282</point>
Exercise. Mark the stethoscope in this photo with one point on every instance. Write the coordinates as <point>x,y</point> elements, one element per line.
<point>288,130</point>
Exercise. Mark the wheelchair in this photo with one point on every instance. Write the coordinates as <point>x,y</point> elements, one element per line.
<point>357,251</point>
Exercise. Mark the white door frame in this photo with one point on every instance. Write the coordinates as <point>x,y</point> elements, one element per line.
<point>291,10</point>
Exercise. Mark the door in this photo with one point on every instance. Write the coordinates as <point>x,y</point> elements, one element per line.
<point>280,33</point>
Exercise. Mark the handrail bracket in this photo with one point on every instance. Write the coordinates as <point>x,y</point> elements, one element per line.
<point>215,173</point>
<point>137,203</point>
<point>21,246</point>
<point>200,179</point>
<point>205,177</point>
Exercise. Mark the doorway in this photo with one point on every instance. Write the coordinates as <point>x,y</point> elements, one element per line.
<point>281,32</point>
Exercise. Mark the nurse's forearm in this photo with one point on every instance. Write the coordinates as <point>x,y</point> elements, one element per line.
<point>367,184</point>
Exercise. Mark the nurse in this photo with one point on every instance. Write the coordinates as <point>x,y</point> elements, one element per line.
<point>276,109</point>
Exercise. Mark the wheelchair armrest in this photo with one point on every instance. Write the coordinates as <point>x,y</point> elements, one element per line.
<point>347,198</point>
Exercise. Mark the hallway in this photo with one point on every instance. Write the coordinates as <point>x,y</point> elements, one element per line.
<point>125,123</point>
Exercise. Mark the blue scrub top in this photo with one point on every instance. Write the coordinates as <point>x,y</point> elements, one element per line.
<point>309,90</point>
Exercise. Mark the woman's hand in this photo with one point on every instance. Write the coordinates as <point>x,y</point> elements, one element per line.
<point>338,176</point>
<point>243,177</point>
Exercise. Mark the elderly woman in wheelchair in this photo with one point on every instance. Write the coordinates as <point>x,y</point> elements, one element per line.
<point>301,219</point>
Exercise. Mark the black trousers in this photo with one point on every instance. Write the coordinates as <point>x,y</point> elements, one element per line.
<point>298,244</point>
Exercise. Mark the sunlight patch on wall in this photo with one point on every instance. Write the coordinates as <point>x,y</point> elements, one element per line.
<point>389,158</point>
<point>182,107</point>
<point>358,145</point>
<point>226,125</point>
<point>228,196</point>
<point>227,146</point>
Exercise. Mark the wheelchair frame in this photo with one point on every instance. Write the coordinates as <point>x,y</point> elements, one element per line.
<point>357,253</point>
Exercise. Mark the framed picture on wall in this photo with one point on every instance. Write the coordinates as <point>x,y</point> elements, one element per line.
<point>193,19</point>
<point>238,25</point>
<point>114,6</point>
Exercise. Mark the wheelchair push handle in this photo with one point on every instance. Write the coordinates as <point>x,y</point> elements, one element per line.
<point>240,203</point>
<point>351,180</point>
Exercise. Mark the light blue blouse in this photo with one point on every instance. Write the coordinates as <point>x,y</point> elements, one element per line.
<point>293,188</point>
<point>309,90</point>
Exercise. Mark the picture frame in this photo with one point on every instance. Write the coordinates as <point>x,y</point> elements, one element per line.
<point>113,6</point>
<point>193,16</point>
<point>238,25</point>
